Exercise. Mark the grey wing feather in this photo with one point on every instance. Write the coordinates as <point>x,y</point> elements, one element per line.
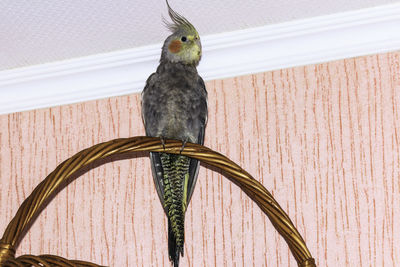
<point>157,170</point>
<point>195,164</point>
<point>156,166</point>
<point>194,171</point>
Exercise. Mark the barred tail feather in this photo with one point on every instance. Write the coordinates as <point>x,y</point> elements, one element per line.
<point>172,247</point>
<point>175,168</point>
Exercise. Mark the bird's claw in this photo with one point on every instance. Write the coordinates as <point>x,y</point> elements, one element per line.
<point>162,142</point>
<point>183,146</point>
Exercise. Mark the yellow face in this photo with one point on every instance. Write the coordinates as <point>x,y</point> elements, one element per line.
<point>186,48</point>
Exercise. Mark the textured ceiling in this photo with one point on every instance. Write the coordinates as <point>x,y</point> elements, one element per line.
<point>39,31</point>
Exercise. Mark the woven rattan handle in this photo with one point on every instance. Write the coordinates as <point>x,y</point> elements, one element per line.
<point>32,206</point>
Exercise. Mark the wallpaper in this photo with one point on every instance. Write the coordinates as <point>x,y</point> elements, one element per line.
<point>324,139</point>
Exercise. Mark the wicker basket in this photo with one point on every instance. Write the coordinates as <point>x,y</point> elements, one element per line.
<point>32,206</point>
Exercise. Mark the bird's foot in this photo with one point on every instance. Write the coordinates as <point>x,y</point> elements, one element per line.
<point>162,141</point>
<point>183,145</point>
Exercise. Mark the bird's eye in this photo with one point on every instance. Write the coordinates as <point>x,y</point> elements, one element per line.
<point>183,39</point>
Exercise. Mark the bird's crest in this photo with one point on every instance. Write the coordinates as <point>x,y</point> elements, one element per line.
<point>179,22</point>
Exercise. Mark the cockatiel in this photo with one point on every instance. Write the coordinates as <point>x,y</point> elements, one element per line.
<point>174,106</point>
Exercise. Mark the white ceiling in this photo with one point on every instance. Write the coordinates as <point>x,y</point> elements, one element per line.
<point>40,31</point>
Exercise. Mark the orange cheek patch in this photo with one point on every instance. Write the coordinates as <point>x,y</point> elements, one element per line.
<point>175,46</point>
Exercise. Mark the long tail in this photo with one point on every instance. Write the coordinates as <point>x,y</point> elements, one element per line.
<point>173,249</point>
<point>175,171</point>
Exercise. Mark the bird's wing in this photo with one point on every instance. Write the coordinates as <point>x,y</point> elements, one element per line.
<point>158,173</point>
<point>145,89</point>
<point>148,107</point>
<point>194,165</point>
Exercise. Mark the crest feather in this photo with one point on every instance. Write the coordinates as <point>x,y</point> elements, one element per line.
<point>179,22</point>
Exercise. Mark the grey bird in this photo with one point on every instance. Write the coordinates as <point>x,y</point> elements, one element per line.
<point>174,106</point>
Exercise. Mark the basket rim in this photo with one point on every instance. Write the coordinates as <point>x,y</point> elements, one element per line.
<point>34,203</point>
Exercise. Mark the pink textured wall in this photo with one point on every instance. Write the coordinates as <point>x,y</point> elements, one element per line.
<point>324,139</point>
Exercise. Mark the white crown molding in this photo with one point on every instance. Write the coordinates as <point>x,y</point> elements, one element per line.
<point>295,43</point>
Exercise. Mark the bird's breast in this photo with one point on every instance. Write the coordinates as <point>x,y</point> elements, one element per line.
<point>171,111</point>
